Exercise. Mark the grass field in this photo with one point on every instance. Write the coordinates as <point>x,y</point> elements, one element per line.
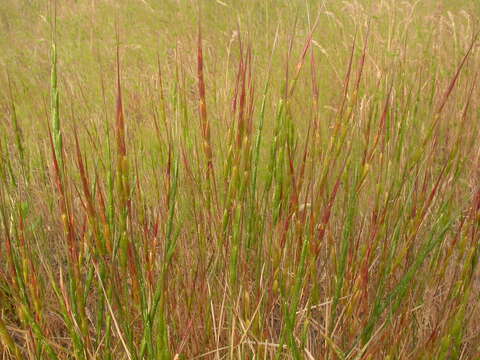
<point>255,179</point>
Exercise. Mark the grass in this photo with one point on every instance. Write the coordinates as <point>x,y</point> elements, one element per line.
<point>251,180</point>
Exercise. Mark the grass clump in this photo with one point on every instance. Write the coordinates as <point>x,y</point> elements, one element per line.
<point>271,180</point>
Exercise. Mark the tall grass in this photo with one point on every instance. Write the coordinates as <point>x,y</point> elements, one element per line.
<point>266,180</point>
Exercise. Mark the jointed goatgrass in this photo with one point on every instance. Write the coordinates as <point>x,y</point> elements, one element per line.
<point>238,182</point>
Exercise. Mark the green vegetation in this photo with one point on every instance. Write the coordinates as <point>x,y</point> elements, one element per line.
<point>262,179</point>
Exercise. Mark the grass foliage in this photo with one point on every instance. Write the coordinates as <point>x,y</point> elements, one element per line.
<point>260,179</point>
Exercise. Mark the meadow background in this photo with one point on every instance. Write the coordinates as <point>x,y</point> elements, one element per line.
<point>260,179</point>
